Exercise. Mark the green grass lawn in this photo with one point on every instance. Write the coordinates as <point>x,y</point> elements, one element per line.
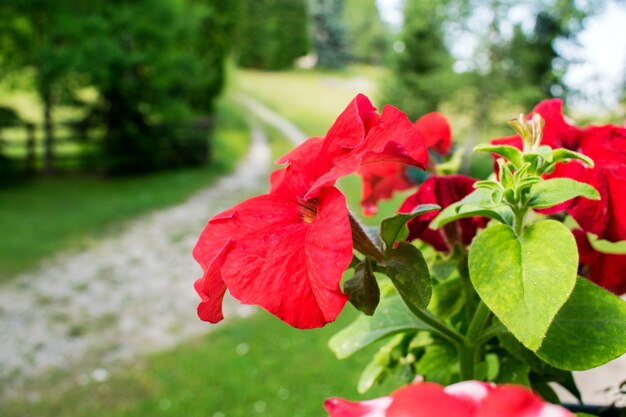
<point>257,366</point>
<point>43,216</point>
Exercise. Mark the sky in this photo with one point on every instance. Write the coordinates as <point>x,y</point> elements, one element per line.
<point>602,55</point>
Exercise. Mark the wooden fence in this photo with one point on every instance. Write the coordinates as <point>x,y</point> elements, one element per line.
<point>76,146</point>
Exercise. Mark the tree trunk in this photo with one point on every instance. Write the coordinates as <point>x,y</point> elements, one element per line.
<point>48,142</point>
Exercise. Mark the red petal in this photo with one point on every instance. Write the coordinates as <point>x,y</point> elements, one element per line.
<point>303,169</point>
<point>350,128</point>
<point>303,153</point>
<point>616,227</point>
<point>428,400</point>
<point>217,237</point>
<point>380,181</point>
<point>395,139</point>
<point>435,130</point>
<point>605,269</point>
<point>216,233</point>
<point>211,289</point>
<point>472,391</point>
<point>338,407</point>
<point>517,401</point>
<point>606,145</point>
<point>557,133</point>
<point>591,215</point>
<point>290,267</point>
<point>392,139</point>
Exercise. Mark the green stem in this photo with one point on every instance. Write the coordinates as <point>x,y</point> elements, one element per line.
<point>468,351</point>
<point>490,332</point>
<point>481,316</point>
<point>441,329</point>
<point>468,288</point>
<point>467,358</point>
<point>520,214</point>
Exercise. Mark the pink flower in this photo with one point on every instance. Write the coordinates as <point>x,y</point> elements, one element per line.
<point>606,145</point>
<point>442,190</point>
<point>381,181</point>
<point>605,269</point>
<point>286,250</point>
<point>465,399</point>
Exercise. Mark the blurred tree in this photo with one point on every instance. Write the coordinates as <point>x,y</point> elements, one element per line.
<point>155,64</point>
<point>530,66</point>
<point>533,66</point>
<point>154,71</point>
<point>212,45</point>
<point>521,68</point>
<point>33,35</point>
<point>500,59</point>
<point>271,34</point>
<point>329,33</point>
<point>422,67</point>
<point>368,39</point>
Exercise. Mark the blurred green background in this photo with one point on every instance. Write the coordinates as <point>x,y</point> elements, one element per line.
<point>110,109</point>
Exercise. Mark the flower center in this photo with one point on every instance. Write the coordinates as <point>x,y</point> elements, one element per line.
<point>308,209</point>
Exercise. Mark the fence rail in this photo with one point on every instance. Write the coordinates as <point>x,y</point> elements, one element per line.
<point>76,146</point>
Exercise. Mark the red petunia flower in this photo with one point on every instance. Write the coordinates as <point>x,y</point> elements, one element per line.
<point>435,129</point>
<point>286,250</point>
<point>464,399</point>
<point>381,181</point>
<point>442,190</point>
<point>605,269</point>
<point>606,145</point>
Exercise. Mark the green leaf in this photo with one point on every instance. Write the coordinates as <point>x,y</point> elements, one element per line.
<point>478,203</point>
<point>546,392</point>
<point>509,152</point>
<point>555,191</point>
<point>525,280</point>
<point>562,154</point>
<point>393,229</point>
<point>406,267</point>
<point>447,298</point>
<point>513,371</point>
<point>391,317</point>
<point>589,331</point>
<point>372,374</point>
<point>362,288</point>
<point>488,369</point>
<point>443,268</point>
<point>438,364</point>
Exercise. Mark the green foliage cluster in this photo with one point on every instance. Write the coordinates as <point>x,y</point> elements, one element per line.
<point>521,66</point>
<point>156,65</point>
<point>271,34</point>
<point>368,38</point>
<point>533,67</point>
<point>508,309</point>
<point>329,33</point>
<point>423,74</point>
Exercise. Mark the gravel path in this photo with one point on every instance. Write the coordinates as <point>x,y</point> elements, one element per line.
<point>127,294</point>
